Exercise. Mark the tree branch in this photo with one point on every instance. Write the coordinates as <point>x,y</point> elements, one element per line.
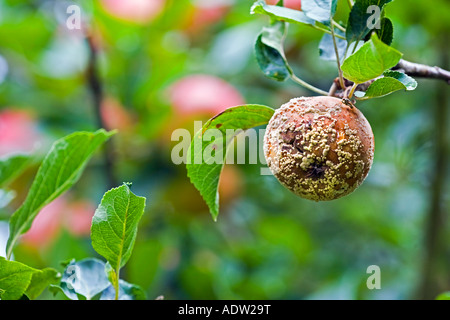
<point>432,280</point>
<point>410,68</point>
<point>434,277</point>
<point>95,86</point>
<point>422,71</point>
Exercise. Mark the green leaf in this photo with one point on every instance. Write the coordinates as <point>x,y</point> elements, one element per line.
<point>385,33</point>
<point>115,224</point>
<point>12,167</point>
<point>407,81</point>
<point>15,277</point>
<point>370,61</point>
<point>360,18</point>
<point>61,168</point>
<point>127,291</point>
<point>270,53</point>
<point>204,168</point>
<point>320,10</point>
<point>88,280</point>
<point>326,47</point>
<point>391,82</point>
<point>281,13</point>
<point>18,281</point>
<point>444,296</point>
<point>40,280</point>
<point>83,280</point>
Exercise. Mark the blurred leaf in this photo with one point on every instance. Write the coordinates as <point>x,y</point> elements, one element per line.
<point>5,197</point>
<point>114,225</point>
<point>385,33</point>
<point>320,10</point>
<point>281,13</point>
<point>270,53</point>
<point>370,61</point>
<point>24,38</point>
<point>83,280</point>
<point>357,26</point>
<point>15,277</point>
<point>40,280</point>
<point>127,291</point>
<point>444,296</point>
<point>61,168</point>
<point>12,167</point>
<point>231,60</point>
<point>326,47</point>
<point>391,82</point>
<point>203,169</point>
<point>149,247</point>
<point>286,232</point>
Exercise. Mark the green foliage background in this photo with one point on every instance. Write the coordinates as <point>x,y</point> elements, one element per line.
<point>267,243</point>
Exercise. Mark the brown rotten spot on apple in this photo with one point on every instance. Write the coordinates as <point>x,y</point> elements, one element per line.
<point>320,148</point>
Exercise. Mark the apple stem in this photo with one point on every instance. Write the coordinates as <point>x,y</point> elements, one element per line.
<point>352,90</point>
<point>308,86</point>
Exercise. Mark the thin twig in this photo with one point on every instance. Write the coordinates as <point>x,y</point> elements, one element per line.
<point>333,89</point>
<point>327,31</point>
<point>337,25</point>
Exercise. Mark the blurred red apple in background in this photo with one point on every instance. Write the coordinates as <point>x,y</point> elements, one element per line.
<point>292,4</point>
<point>73,216</point>
<point>203,94</point>
<point>78,217</point>
<point>205,13</point>
<point>138,11</point>
<point>197,98</point>
<point>47,225</point>
<point>115,116</point>
<point>18,132</point>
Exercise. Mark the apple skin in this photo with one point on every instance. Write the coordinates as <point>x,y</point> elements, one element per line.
<point>320,148</point>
